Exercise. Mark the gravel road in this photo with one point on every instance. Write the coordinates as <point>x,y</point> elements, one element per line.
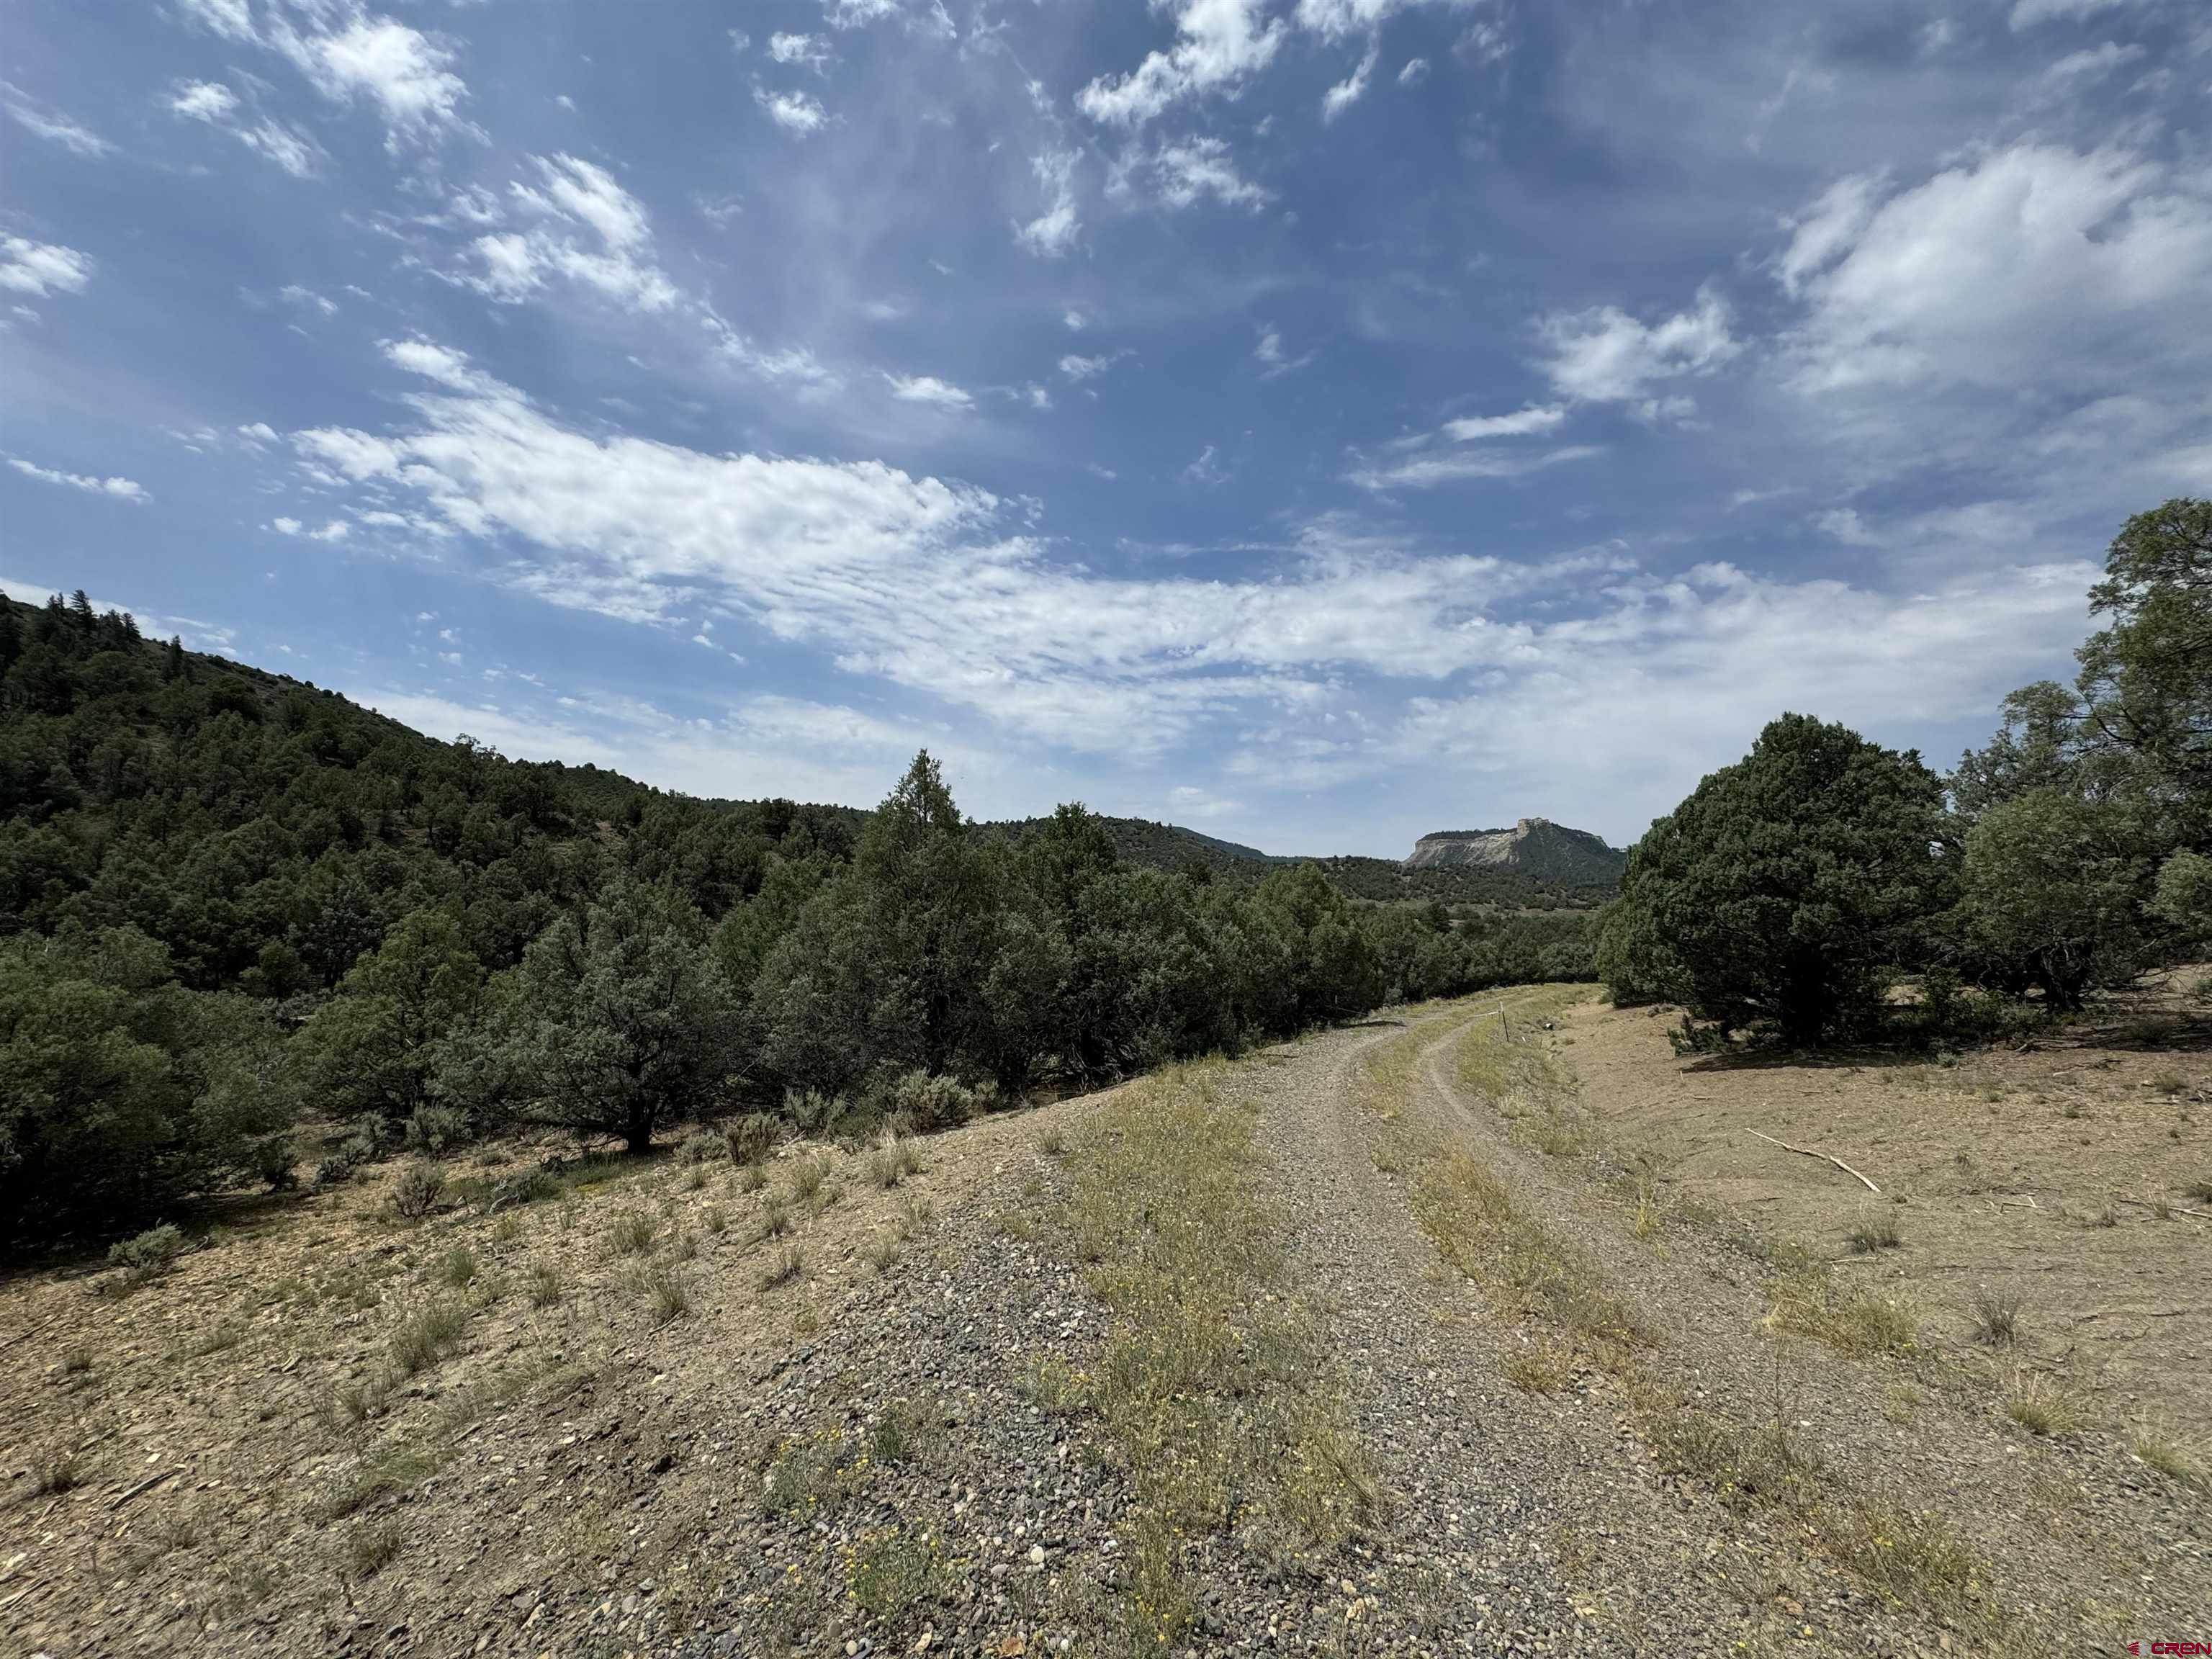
<point>1519,1522</point>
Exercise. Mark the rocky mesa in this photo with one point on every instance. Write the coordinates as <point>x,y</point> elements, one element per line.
<point>1534,846</point>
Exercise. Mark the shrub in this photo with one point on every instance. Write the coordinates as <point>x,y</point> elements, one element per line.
<point>418,1189</point>
<point>931,1103</point>
<point>750,1139</point>
<point>775,1221</point>
<point>530,1186</point>
<point>458,1267</point>
<point>145,1257</point>
<point>701,1147</point>
<point>435,1130</point>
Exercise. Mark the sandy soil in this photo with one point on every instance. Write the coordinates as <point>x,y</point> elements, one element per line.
<point>2038,1175</point>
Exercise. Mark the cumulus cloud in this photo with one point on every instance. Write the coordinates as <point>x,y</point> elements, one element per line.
<point>1186,172</point>
<point>352,55</point>
<point>1350,90</point>
<point>44,121</point>
<point>1219,43</point>
<point>1053,232</point>
<point>794,112</point>
<point>1604,355</point>
<point>569,196</point>
<point>803,51</point>
<point>42,267</point>
<point>2033,266</point>
<point>124,490</point>
<point>928,389</point>
<point>1077,366</point>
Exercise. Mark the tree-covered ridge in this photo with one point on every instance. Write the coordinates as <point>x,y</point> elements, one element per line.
<point>2074,851</point>
<point>232,903</point>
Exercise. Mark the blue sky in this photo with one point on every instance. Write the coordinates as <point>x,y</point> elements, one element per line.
<point>1317,422</point>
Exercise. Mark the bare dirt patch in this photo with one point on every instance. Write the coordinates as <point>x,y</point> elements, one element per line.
<point>2032,1210</point>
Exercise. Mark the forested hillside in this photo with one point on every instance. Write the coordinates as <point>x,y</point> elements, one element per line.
<point>235,904</point>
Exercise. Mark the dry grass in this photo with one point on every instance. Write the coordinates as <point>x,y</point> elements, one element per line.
<point>786,1267</point>
<point>2156,1443</point>
<point>632,1233</point>
<point>1848,1318</point>
<point>1875,1229</point>
<point>1217,1395</point>
<point>2041,1406</point>
<point>1996,1319</point>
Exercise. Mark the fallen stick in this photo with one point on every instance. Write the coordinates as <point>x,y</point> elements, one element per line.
<point>1824,1157</point>
<point>145,1486</point>
<point>2171,1209</point>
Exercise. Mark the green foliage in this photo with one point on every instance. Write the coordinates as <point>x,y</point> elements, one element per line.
<point>624,1020</point>
<point>2052,891</point>
<point>371,1050</point>
<point>1780,892</point>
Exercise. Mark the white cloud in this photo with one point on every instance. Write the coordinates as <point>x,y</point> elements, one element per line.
<point>42,267</point>
<point>928,389</point>
<point>794,112</point>
<point>124,490</point>
<point>294,294</point>
<point>1350,90</point>
<point>52,125</point>
<point>1076,321</point>
<point>570,194</point>
<point>1219,43</point>
<point>202,101</point>
<point>1053,232</point>
<point>1078,368</point>
<point>2033,267</point>
<point>335,530</point>
<point>259,432</point>
<point>218,105</point>
<point>1433,467</point>
<point>807,51</point>
<point>1521,423</point>
<point>1206,469</point>
<point>911,581</point>
<point>1334,19</point>
<point>2028,13</point>
<point>1415,69</point>
<point>350,54</point>
<point>1039,397</point>
<point>2090,64</point>
<point>858,13</point>
<point>1605,356</point>
<point>1185,172</point>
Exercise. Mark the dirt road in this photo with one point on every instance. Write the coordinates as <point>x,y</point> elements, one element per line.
<point>1601,1422</point>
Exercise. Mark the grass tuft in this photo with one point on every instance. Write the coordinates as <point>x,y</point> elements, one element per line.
<point>1996,1318</point>
<point>787,1265</point>
<point>1875,1229</point>
<point>2041,1408</point>
<point>632,1233</point>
